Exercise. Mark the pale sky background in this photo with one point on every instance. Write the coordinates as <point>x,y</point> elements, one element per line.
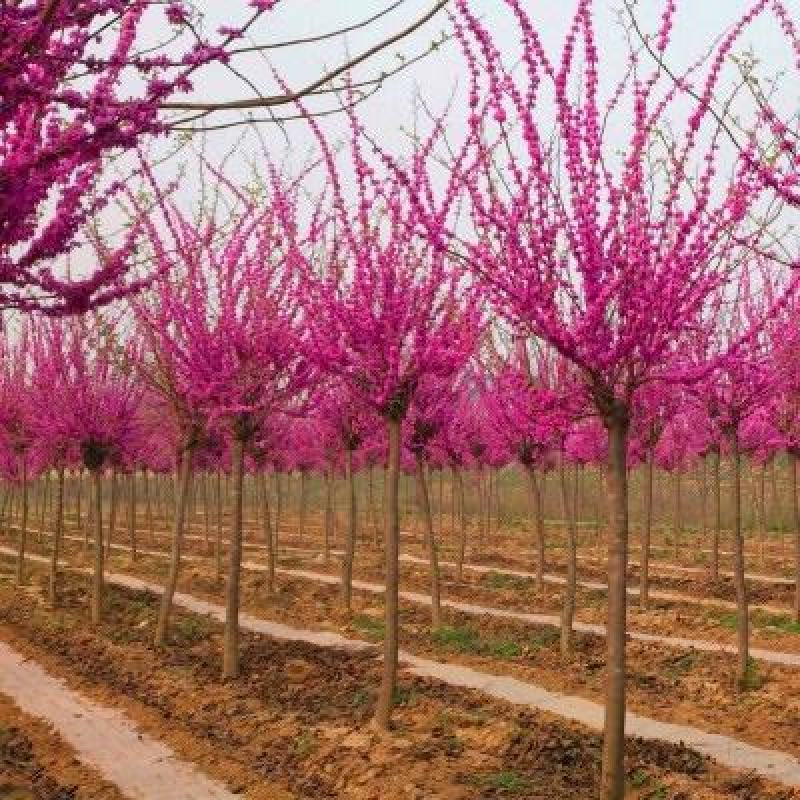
<point>698,23</point>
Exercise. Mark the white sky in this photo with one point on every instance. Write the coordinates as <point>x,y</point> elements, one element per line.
<point>698,23</point>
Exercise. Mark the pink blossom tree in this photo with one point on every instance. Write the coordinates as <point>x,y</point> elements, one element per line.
<point>387,314</point>
<point>583,245</point>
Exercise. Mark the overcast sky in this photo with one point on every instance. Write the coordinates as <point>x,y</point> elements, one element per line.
<point>698,23</point>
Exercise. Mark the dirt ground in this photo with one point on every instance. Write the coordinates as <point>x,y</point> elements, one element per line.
<point>35,764</point>
<point>298,716</point>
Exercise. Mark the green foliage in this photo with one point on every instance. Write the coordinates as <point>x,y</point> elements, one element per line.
<point>639,779</point>
<point>374,629</point>
<point>361,698</point>
<point>501,580</point>
<point>191,629</point>
<point>405,696</point>
<point>544,638</point>
<point>677,667</point>
<point>753,679</point>
<point>458,639</point>
<point>507,781</point>
<point>305,744</point>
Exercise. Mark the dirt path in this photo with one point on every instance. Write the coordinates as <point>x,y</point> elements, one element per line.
<point>552,620</point>
<point>104,738</point>
<point>733,753</point>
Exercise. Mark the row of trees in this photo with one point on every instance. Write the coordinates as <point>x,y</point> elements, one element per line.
<point>626,239</point>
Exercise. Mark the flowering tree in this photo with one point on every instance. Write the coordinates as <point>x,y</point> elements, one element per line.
<point>594,252</point>
<point>227,328</point>
<point>387,314</point>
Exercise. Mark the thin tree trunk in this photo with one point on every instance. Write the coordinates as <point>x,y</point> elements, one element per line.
<point>717,481</point>
<point>430,541</point>
<point>79,499</point>
<point>230,668</point>
<point>350,539</point>
<point>206,513</point>
<point>23,523</point>
<point>568,607</point>
<point>795,506</point>
<point>218,539</point>
<point>185,477</point>
<point>743,620</point>
<point>267,531</point>
<point>383,708</point>
<point>278,509</point>
<point>58,529</point>
<point>371,501</point>
<point>148,507</point>
<point>458,479</point>
<point>96,612</point>
<point>132,514</point>
<point>677,519</point>
<point>328,528</point>
<point>303,504</point>
<point>647,529</point>
<point>703,499</point>
<point>613,772</point>
<point>112,511</point>
<point>538,523</point>
<point>762,505</point>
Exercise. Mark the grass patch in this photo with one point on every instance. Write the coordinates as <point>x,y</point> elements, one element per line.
<point>639,779</point>
<point>781,622</point>
<point>753,679</point>
<point>361,698</point>
<point>458,639</point>
<point>191,630</point>
<point>501,580</point>
<point>405,696</point>
<point>544,638</point>
<point>305,744</point>
<point>373,629</point>
<point>758,619</point>
<point>680,666</point>
<point>507,781</point>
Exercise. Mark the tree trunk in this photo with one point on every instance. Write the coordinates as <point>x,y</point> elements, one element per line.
<point>717,514</point>
<point>430,541</point>
<point>303,505</point>
<point>762,506</point>
<point>218,539</point>
<point>795,506</point>
<point>613,774</point>
<point>230,668</point>
<point>328,529</point>
<point>350,539</point>
<point>58,529</point>
<point>278,509</point>
<point>23,523</point>
<point>743,620</point>
<point>267,531</point>
<point>148,507</point>
<point>458,479</point>
<point>185,477</point>
<point>112,511</point>
<point>206,513</point>
<point>568,607</point>
<point>371,501</point>
<point>132,514</point>
<point>96,612</point>
<point>538,523</point>
<point>677,512</point>
<point>383,708</point>
<point>647,529</point>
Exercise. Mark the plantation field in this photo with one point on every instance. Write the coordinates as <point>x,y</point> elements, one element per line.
<point>487,705</point>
